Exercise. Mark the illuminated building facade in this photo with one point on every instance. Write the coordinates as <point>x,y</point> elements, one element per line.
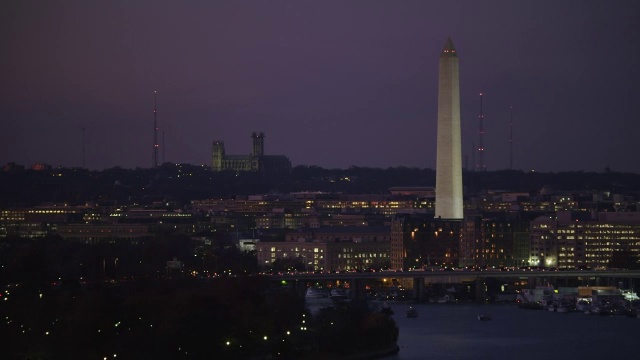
<point>356,234</point>
<point>100,233</point>
<point>387,205</point>
<point>610,239</point>
<point>256,161</point>
<point>331,248</point>
<point>494,241</point>
<point>418,240</point>
<point>287,220</point>
<point>159,216</point>
<point>37,221</point>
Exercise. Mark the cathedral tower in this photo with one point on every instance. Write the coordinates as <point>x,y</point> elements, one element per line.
<point>217,155</point>
<point>258,144</point>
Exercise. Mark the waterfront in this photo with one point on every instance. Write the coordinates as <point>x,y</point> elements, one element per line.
<point>454,332</point>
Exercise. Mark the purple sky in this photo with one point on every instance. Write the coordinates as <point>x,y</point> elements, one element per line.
<point>331,83</point>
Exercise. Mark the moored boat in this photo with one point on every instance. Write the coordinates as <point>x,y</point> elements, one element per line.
<point>313,293</point>
<point>338,294</point>
<point>386,309</point>
<point>583,304</point>
<point>412,312</point>
<point>530,305</point>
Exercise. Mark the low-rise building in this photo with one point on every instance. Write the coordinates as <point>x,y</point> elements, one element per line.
<point>497,240</point>
<point>331,248</point>
<point>419,240</point>
<point>98,233</point>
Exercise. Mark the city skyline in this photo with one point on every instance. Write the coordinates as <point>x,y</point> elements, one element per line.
<point>334,84</point>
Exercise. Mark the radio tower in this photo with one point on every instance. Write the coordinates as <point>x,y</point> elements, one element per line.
<point>474,166</point>
<point>511,140</point>
<point>155,129</point>
<point>481,166</point>
<point>83,157</point>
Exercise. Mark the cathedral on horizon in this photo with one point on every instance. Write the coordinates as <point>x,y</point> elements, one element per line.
<point>256,161</point>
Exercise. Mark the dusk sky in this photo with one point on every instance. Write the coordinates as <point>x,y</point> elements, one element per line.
<point>330,83</point>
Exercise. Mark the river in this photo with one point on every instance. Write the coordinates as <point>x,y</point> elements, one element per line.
<point>454,332</point>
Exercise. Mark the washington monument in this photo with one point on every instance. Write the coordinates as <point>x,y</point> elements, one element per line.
<point>449,157</point>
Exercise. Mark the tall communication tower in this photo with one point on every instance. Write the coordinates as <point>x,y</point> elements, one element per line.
<point>511,140</point>
<point>474,165</point>
<point>155,129</point>
<point>83,157</point>
<point>481,165</point>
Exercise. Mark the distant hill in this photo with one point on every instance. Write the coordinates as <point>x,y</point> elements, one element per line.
<point>184,182</point>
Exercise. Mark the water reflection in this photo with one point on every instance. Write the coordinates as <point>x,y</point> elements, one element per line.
<point>454,332</point>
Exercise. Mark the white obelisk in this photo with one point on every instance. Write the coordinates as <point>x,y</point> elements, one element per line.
<point>449,157</point>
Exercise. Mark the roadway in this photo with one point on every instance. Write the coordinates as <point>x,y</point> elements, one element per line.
<point>629,274</point>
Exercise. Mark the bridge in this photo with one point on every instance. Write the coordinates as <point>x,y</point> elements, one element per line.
<point>419,279</point>
<point>631,274</point>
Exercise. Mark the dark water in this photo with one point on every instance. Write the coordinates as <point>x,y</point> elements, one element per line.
<point>454,332</point>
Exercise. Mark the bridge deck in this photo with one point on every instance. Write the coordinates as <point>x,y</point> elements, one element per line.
<point>462,274</point>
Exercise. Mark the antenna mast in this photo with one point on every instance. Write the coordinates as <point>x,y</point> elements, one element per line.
<point>481,166</point>
<point>83,157</point>
<point>155,129</point>
<point>474,166</point>
<point>511,140</point>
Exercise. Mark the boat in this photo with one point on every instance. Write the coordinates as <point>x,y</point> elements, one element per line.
<point>313,293</point>
<point>412,313</point>
<point>566,306</point>
<point>483,318</point>
<point>536,295</point>
<point>583,304</point>
<point>338,295</point>
<point>629,295</point>
<point>445,299</point>
<point>386,309</point>
<point>530,305</point>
